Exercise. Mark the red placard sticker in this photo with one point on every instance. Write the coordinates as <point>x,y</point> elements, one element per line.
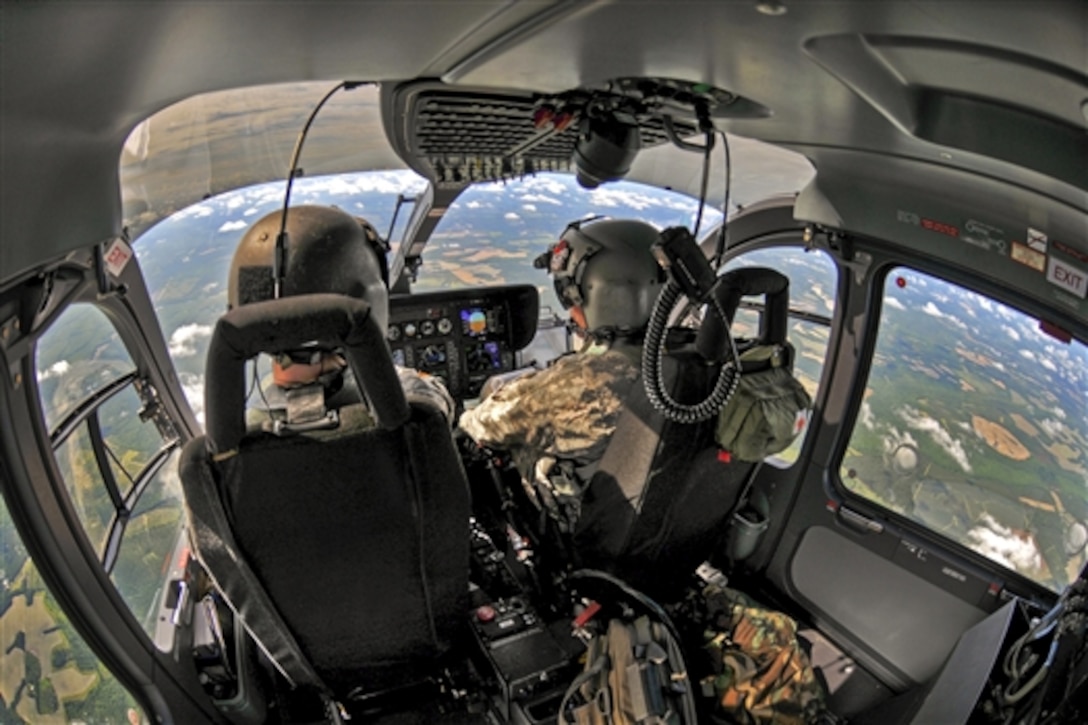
<point>117,256</point>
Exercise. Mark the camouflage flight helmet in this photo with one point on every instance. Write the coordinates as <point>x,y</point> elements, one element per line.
<point>328,250</point>
<point>605,274</point>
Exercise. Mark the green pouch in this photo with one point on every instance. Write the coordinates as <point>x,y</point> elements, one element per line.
<point>769,408</point>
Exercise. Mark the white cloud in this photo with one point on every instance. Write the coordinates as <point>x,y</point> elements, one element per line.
<point>1053,428</point>
<point>529,207</point>
<point>56,370</point>
<point>1001,544</point>
<point>932,310</point>
<point>866,417</point>
<point>552,184</point>
<point>1011,333</point>
<point>540,199</point>
<point>196,211</point>
<point>511,216</point>
<point>893,302</point>
<point>184,340</point>
<point>193,386</point>
<point>473,205</point>
<point>894,439</point>
<point>1028,354</point>
<point>614,197</point>
<point>918,420</point>
<point>233,226</point>
<point>1046,363</point>
<point>250,211</point>
<point>1058,412</point>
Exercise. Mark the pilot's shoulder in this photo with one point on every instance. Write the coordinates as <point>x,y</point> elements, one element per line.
<point>423,389</point>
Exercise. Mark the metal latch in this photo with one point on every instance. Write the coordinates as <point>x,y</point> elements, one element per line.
<point>859,522</point>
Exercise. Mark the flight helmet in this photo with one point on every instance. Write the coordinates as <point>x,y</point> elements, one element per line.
<point>328,250</point>
<point>606,276</point>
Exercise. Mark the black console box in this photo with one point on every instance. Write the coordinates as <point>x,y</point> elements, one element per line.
<point>526,659</point>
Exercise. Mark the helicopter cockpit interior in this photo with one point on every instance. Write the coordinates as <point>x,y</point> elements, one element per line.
<point>878,209</point>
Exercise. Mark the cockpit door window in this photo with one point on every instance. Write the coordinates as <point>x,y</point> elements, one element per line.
<point>116,453</point>
<point>973,426</point>
<point>813,280</point>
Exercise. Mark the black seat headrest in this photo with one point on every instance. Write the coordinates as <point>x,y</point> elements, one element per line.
<point>290,323</point>
<point>730,288</point>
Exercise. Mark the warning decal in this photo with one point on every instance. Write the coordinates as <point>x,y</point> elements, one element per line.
<point>1028,256</point>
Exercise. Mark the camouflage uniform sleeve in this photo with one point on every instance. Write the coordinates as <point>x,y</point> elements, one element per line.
<point>422,389</point>
<point>568,410</point>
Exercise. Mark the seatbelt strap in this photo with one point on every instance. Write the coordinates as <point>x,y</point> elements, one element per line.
<point>218,552</point>
<point>633,446</point>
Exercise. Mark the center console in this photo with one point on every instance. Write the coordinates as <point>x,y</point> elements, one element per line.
<point>463,336</point>
<point>530,661</point>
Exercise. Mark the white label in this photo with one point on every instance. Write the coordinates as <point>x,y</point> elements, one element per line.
<point>1067,276</point>
<point>117,256</point>
<point>1037,240</point>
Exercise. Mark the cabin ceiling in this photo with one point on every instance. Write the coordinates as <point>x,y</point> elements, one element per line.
<point>898,80</point>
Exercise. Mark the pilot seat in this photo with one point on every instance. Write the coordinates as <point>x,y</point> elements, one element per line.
<point>342,543</point>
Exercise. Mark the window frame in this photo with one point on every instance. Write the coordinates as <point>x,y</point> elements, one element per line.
<point>87,412</point>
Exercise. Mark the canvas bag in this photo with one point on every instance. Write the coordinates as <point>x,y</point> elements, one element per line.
<point>634,675</point>
<point>760,674</point>
<point>769,408</point>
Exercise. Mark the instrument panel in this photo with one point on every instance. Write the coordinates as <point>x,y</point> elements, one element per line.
<point>463,336</point>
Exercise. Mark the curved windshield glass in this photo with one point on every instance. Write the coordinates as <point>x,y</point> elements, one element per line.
<point>217,142</point>
<point>492,233</point>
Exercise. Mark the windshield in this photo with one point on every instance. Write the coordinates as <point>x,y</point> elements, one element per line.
<point>493,232</point>
<point>198,173</point>
<point>217,142</point>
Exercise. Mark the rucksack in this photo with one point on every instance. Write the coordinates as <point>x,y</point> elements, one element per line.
<point>634,672</point>
<point>759,675</point>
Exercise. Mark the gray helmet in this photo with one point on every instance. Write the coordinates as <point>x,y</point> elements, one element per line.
<point>606,268</point>
<point>328,250</point>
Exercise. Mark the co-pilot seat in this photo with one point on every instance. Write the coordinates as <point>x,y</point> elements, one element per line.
<point>660,502</point>
<point>344,550</point>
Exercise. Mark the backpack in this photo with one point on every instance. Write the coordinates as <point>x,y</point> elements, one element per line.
<point>759,673</point>
<point>634,672</point>
<point>634,675</point>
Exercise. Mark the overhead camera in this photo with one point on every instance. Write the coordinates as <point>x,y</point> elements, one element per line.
<point>605,150</point>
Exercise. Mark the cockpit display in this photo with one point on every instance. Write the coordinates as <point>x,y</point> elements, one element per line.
<point>494,324</point>
<point>481,322</point>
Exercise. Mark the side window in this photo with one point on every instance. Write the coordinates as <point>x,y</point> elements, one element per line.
<point>117,455</point>
<point>813,281</point>
<point>973,425</point>
<point>49,672</point>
